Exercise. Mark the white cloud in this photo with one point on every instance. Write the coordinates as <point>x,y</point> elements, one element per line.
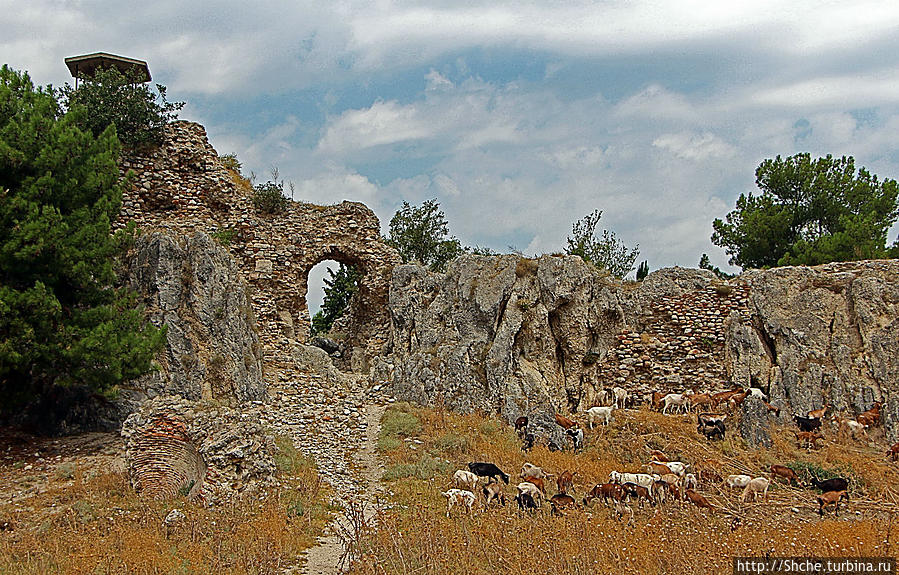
<point>690,146</point>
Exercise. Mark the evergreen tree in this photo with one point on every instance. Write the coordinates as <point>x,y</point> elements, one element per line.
<point>422,234</point>
<point>339,290</point>
<point>63,321</point>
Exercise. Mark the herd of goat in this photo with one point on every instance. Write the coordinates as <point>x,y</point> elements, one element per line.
<point>661,480</point>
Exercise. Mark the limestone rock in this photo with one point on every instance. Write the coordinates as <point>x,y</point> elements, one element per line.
<point>193,287</point>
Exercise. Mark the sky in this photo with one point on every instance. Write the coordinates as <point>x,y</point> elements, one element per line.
<point>519,118</point>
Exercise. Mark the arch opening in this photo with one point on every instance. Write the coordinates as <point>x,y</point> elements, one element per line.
<point>332,285</point>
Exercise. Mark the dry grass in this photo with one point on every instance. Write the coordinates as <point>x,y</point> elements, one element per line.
<point>97,524</point>
<point>416,537</point>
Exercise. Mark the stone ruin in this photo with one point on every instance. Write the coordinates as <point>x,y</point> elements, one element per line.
<point>502,334</point>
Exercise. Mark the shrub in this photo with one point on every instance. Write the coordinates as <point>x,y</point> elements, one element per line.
<point>224,236</point>
<point>230,162</point>
<point>452,444</point>
<point>269,197</point>
<point>399,422</point>
<point>425,468</point>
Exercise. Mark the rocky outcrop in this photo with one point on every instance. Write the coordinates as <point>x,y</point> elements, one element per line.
<point>192,286</point>
<point>176,447</point>
<point>822,335</point>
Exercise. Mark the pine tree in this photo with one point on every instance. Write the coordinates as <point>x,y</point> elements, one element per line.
<point>339,290</point>
<point>63,320</point>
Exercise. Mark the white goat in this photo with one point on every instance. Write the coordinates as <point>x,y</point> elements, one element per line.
<point>735,481</point>
<point>531,470</point>
<point>465,480</point>
<point>603,414</point>
<point>756,486</point>
<point>676,400</point>
<point>532,490</point>
<point>620,397</point>
<point>690,481</point>
<point>642,479</point>
<point>459,497</point>
<point>678,468</point>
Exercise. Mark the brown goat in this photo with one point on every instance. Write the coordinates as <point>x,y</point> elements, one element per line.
<point>657,400</point>
<point>657,468</point>
<point>809,437</point>
<point>818,413</point>
<point>771,408</point>
<point>538,481</point>
<point>657,455</point>
<point>831,498</point>
<point>560,501</point>
<point>870,417</point>
<point>893,452</point>
<point>604,491</point>
<point>565,480</point>
<point>700,399</point>
<point>564,421</point>
<point>785,472</point>
<point>698,500</point>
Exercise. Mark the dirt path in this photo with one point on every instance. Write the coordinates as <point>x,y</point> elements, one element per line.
<point>324,558</point>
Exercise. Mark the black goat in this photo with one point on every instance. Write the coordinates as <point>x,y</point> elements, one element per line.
<point>807,423</point>
<point>835,484</point>
<point>488,470</point>
<point>525,502</point>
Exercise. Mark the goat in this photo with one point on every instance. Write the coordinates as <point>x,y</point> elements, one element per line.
<point>538,481</point>
<point>807,423</point>
<point>639,492</point>
<point>833,484</point>
<point>771,408</point>
<point>656,400</point>
<point>527,442</point>
<point>756,392</point>
<point>525,502</point>
<point>530,489</point>
<point>724,396</point>
<point>852,425</point>
<point>604,491</point>
<point>638,478</point>
<point>711,425</point>
<point>831,498</point>
<point>698,400</point>
<point>690,481</point>
<point>488,470</point>
<point>622,509</point>
<point>493,490</point>
<point>565,481</point>
<point>735,481</point>
<point>818,413</point>
<point>809,437</point>
<point>677,467</point>
<point>893,452</point>
<point>465,480</point>
<point>620,397</point>
<point>670,478</point>
<point>459,497</point>
<point>756,486</point>
<point>521,425</point>
<point>531,470</point>
<point>737,399</point>
<point>603,414</point>
<point>659,491</point>
<point>657,467</point>
<point>658,456</point>
<point>676,400</point>
<point>698,500</point>
<point>564,422</point>
<point>870,417</point>
<point>577,437</point>
<point>561,501</point>
<point>785,472</point>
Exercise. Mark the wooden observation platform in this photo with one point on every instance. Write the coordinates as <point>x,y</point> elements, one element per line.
<point>86,66</point>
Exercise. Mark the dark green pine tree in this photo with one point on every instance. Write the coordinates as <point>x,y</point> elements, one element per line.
<point>339,290</point>
<point>63,320</point>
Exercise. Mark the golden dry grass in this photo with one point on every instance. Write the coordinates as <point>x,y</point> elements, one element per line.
<point>415,536</point>
<point>97,524</point>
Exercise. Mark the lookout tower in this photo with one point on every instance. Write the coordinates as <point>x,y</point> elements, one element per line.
<point>86,66</point>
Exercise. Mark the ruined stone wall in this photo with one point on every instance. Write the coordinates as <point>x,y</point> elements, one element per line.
<point>183,186</point>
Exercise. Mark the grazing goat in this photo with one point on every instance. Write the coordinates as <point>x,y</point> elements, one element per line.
<point>725,396</point>
<point>577,437</point>
<point>565,480</point>
<point>530,489</point>
<point>620,397</point>
<point>658,468</point>
<point>870,417</point>
<point>603,414</point>
<point>560,501</point>
<point>639,492</point>
<point>756,392</point>
<point>604,491</point>
<point>818,413</point>
<point>659,491</point>
<point>538,481</point>
<point>488,470</point>
<point>737,399</point>
<point>493,490</point>
<point>698,400</point>
<point>670,478</point>
<point>893,452</point>
<point>677,467</point>
<point>756,486</point>
<point>675,400</point>
<point>698,500</point>
<point>771,408</point>
<point>658,456</point>
<point>831,498</point>
<point>735,481</point>
<point>564,422</point>
<point>639,478</point>
<point>711,425</point>
<point>807,423</point>
<point>834,484</point>
<point>809,437</point>
<point>785,472</point>
<point>465,480</point>
<point>852,425</point>
<point>525,502</point>
<point>531,470</point>
<point>459,497</point>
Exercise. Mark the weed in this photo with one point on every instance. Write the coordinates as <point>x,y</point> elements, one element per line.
<point>224,236</point>
<point>65,471</point>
